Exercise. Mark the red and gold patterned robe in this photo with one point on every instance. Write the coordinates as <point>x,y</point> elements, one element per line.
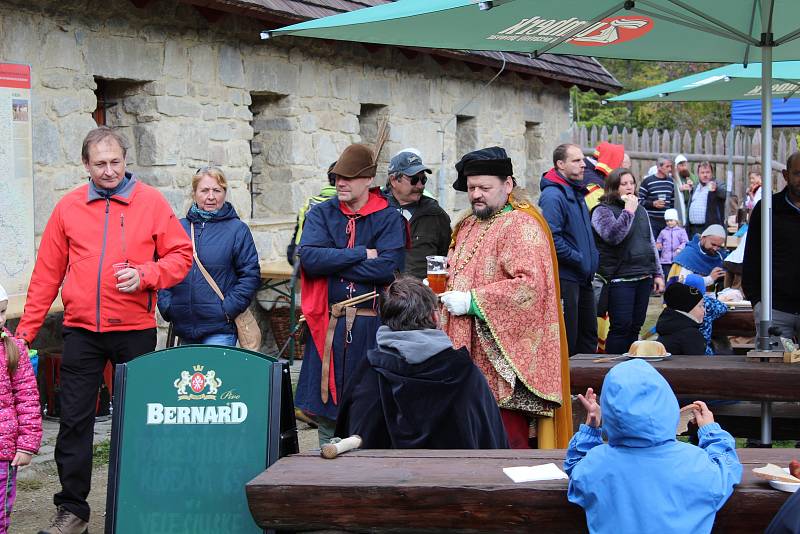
<point>509,265</point>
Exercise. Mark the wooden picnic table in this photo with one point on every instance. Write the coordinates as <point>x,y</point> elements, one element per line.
<point>737,322</point>
<point>714,377</point>
<point>277,276</point>
<point>456,490</point>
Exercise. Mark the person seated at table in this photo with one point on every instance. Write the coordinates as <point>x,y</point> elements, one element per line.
<point>713,309</point>
<point>414,390</point>
<point>701,256</point>
<point>678,327</point>
<point>643,479</point>
<point>787,520</point>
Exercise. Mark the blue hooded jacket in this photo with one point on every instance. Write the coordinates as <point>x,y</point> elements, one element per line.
<point>226,248</point>
<point>643,479</point>
<point>565,210</point>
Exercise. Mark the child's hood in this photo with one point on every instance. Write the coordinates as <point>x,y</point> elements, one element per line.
<point>638,406</point>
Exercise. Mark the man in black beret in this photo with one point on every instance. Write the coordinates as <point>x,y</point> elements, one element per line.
<point>502,301</point>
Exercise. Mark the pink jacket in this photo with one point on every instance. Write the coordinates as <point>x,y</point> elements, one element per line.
<point>20,414</point>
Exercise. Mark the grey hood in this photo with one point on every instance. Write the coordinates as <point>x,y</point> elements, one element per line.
<point>413,346</point>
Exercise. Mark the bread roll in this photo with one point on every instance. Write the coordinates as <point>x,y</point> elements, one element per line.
<point>773,472</point>
<point>647,348</point>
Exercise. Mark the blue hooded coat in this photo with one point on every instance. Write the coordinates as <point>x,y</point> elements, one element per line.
<point>226,248</point>
<point>565,210</point>
<point>643,479</point>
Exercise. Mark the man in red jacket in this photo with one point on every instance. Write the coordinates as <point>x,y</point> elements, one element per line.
<point>112,243</point>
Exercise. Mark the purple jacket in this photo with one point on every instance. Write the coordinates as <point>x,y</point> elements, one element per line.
<point>20,416</point>
<point>672,241</point>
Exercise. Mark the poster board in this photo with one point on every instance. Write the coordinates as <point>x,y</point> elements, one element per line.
<point>191,426</point>
<point>17,249</point>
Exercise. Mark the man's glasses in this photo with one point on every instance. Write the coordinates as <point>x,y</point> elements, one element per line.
<point>417,178</point>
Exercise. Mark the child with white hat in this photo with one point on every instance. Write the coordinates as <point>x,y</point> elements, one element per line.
<point>671,240</point>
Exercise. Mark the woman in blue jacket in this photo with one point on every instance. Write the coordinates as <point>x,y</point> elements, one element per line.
<point>643,479</point>
<point>226,249</point>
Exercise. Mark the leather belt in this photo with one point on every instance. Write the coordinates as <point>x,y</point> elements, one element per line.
<point>337,311</point>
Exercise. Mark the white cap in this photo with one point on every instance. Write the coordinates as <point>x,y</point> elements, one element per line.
<point>680,158</point>
<point>3,294</point>
<point>671,215</point>
<point>652,170</point>
<point>715,230</point>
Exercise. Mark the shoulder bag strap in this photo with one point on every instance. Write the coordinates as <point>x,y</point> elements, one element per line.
<point>207,276</point>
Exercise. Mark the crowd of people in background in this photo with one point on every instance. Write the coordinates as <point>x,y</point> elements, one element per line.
<point>386,356</point>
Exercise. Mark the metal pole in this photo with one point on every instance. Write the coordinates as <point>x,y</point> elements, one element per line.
<point>766,206</point>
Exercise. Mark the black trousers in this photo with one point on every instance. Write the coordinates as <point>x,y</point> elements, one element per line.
<point>580,317</point>
<point>83,361</point>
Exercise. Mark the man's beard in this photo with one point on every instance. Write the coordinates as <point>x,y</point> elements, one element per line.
<point>684,173</point>
<point>483,213</point>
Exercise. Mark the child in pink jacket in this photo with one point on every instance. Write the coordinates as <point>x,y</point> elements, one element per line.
<point>670,241</point>
<point>20,416</point>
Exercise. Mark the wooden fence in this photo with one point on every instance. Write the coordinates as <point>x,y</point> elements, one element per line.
<point>646,146</point>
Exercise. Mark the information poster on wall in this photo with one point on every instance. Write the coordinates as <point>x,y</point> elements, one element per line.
<point>16,182</point>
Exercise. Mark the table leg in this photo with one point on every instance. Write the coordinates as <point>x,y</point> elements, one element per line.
<point>766,424</point>
<point>292,320</point>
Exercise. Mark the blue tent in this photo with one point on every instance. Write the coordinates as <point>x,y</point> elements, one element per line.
<point>748,113</point>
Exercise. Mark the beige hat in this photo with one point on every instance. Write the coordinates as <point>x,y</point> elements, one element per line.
<point>356,161</point>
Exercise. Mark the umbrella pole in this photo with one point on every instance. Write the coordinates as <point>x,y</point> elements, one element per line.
<point>765,318</point>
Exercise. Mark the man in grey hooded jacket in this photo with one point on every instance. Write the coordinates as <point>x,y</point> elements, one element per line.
<point>414,390</point>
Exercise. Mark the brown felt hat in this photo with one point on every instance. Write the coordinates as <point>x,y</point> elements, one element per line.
<point>356,161</point>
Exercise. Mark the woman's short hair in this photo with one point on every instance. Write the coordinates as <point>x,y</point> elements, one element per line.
<point>214,172</point>
<point>408,304</point>
<point>611,187</point>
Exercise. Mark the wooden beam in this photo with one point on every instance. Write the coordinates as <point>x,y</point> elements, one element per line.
<point>474,67</point>
<point>372,48</point>
<point>141,4</point>
<point>209,13</point>
<point>410,54</point>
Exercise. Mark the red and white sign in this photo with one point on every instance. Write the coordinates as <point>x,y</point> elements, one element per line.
<point>609,31</point>
<point>613,30</point>
<point>15,76</point>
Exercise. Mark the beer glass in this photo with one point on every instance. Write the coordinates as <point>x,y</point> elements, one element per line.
<point>437,273</point>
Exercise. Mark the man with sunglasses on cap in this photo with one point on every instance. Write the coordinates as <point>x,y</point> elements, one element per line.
<point>429,223</point>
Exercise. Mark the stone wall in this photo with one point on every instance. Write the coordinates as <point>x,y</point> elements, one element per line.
<point>188,93</point>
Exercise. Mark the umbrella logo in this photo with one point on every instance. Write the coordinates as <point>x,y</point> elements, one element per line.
<point>613,30</point>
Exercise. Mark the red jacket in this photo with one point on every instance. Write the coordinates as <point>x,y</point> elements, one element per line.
<point>85,236</point>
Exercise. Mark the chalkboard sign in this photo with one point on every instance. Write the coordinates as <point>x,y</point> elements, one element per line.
<point>191,426</point>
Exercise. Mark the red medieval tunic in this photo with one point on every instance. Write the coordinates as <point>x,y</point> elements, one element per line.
<point>508,263</point>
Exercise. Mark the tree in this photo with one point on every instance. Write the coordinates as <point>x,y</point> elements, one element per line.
<point>590,111</point>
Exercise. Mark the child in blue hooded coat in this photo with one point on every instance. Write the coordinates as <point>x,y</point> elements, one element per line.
<point>643,479</point>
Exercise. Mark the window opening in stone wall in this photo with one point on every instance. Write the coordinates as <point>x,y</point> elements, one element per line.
<point>466,141</point>
<point>271,147</point>
<point>121,104</point>
<point>535,162</point>
<point>369,119</point>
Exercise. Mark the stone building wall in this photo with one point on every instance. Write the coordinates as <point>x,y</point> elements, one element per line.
<point>273,115</point>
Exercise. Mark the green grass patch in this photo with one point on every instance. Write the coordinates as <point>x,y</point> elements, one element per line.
<point>101,452</point>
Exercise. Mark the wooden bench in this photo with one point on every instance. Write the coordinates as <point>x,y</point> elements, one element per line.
<point>463,491</point>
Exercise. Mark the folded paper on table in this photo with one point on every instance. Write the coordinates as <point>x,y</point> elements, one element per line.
<point>535,473</point>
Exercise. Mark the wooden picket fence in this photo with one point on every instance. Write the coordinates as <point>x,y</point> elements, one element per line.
<point>645,146</point>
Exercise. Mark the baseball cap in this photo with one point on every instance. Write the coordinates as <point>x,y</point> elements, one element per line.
<point>680,158</point>
<point>407,163</point>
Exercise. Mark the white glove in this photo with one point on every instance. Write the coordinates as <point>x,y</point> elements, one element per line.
<point>456,302</point>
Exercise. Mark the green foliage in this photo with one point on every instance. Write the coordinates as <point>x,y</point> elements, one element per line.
<point>101,452</point>
<point>633,75</point>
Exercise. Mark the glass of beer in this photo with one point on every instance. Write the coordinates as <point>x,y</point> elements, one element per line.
<point>437,273</point>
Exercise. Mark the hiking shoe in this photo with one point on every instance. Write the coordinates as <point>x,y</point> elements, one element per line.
<point>65,522</point>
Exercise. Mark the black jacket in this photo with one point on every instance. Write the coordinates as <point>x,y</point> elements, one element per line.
<point>441,403</point>
<point>785,265</point>
<point>634,255</point>
<point>430,234</point>
<point>680,334</point>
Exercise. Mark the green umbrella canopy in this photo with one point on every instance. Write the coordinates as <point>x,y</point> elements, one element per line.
<point>731,82</point>
<point>666,30</point>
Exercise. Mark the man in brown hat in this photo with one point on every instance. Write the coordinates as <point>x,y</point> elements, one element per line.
<point>351,246</point>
